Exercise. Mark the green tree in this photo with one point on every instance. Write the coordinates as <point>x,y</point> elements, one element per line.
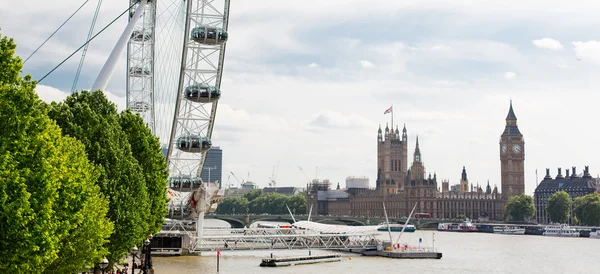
<point>587,209</point>
<point>52,215</point>
<point>559,207</point>
<point>93,120</point>
<point>253,194</point>
<point>228,205</point>
<point>520,207</point>
<point>146,149</point>
<point>298,203</point>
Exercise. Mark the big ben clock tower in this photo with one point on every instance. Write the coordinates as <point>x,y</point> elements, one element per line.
<point>512,158</point>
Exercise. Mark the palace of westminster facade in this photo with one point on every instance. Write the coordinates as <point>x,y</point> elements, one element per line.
<point>401,187</point>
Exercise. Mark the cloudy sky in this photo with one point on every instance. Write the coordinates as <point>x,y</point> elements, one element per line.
<point>306,82</point>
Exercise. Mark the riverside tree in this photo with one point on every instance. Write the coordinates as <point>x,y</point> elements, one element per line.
<point>587,209</point>
<point>559,207</point>
<point>146,149</point>
<point>520,208</point>
<point>258,202</point>
<point>93,119</point>
<point>52,215</point>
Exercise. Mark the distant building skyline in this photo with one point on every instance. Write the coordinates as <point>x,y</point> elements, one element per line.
<point>213,166</point>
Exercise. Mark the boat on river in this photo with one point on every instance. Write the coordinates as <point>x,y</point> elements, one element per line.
<point>511,230</point>
<point>560,231</point>
<point>464,226</point>
<point>397,228</point>
<point>289,261</point>
<point>595,234</point>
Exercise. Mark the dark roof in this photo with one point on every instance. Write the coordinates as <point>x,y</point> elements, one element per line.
<point>511,130</point>
<point>568,184</point>
<point>282,190</point>
<point>511,114</point>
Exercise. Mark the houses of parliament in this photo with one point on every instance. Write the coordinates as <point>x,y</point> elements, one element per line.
<point>401,186</point>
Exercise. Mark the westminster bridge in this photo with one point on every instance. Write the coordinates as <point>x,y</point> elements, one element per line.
<point>241,220</point>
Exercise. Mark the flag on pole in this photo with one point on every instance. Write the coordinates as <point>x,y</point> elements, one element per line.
<point>388,110</point>
<point>218,252</point>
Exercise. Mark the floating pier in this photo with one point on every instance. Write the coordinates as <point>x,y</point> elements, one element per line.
<point>404,254</point>
<point>288,261</point>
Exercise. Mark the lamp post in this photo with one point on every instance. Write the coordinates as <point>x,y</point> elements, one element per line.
<point>103,264</point>
<point>233,209</point>
<point>134,251</point>
<point>209,169</point>
<point>150,252</point>
<point>148,255</point>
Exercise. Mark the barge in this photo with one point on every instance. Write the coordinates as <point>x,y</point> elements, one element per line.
<point>289,261</point>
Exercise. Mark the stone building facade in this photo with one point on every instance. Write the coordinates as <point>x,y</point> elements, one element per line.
<point>575,185</point>
<point>401,188</point>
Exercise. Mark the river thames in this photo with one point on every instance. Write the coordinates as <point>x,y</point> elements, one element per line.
<point>462,253</point>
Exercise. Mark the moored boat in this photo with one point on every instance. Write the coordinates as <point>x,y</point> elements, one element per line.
<point>560,231</point>
<point>464,226</point>
<point>511,230</point>
<point>595,234</point>
<point>289,261</point>
<point>397,228</point>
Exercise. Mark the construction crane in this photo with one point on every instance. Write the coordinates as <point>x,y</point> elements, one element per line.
<point>273,181</point>
<point>308,179</point>
<point>237,179</point>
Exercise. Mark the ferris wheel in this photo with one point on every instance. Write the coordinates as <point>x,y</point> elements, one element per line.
<point>175,61</point>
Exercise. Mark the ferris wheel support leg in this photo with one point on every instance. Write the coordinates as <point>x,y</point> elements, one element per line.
<point>111,63</point>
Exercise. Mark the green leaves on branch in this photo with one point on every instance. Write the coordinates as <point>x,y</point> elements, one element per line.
<point>520,208</point>
<point>52,215</point>
<point>558,208</point>
<point>258,202</point>
<point>93,119</point>
<point>146,149</point>
<point>587,209</point>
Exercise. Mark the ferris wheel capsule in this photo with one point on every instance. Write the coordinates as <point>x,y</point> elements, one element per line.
<point>202,93</point>
<point>209,35</point>
<point>193,143</point>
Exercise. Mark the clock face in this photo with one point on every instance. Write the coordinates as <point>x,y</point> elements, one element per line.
<point>504,148</point>
<point>517,148</point>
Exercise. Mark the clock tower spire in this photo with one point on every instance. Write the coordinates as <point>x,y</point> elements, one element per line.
<point>512,157</point>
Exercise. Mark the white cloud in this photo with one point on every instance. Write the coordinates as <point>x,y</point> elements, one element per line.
<point>366,64</point>
<point>588,51</point>
<point>337,120</point>
<point>548,43</point>
<point>50,94</point>
<point>307,68</point>
<point>510,75</point>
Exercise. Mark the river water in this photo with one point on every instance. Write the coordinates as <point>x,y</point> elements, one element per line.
<point>462,253</point>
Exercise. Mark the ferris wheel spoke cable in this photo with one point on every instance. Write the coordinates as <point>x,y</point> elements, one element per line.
<point>59,27</point>
<point>86,46</point>
<point>87,42</point>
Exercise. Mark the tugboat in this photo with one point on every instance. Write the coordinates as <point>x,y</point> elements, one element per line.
<point>464,226</point>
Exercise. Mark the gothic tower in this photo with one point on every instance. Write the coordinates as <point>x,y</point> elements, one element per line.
<point>464,182</point>
<point>512,158</point>
<point>391,160</point>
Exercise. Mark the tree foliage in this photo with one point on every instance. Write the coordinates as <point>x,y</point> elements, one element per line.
<point>587,209</point>
<point>93,119</point>
<point>233,204</point>
<point>52,215</point>
<point>559,207</point>
<point>520,208</point>
<point>258,202</point>
<point>146,150</point>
